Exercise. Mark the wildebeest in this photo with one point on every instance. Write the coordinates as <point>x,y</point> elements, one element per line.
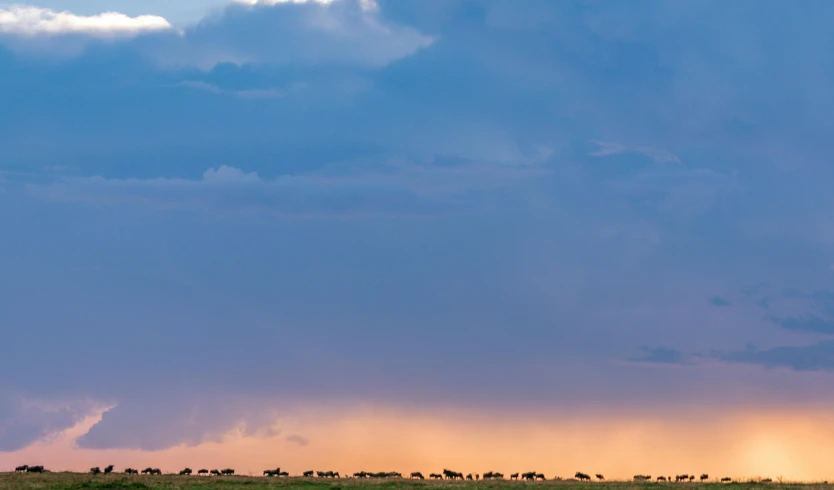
<point>582,476</point>
<point>436,476</point>
<point>186,472</point>
<point>108,469</point>
<point>661,478</point>
<point>452,475</point>
<point>21,469</point>
<point>156,471</point>
<point>417,474</point>
<point>704,477</point>
<point>147,471</point>
<point>513,476</point>
<point>35,469</point>
<point>131,471</point>
<point>691,477</point>
<point>227,471</point>
<point>470,477</point>
<point>308,474</point>
<point>600,477</point>
<point>540,476</point>
<point>528,476</point>
<point>726,479</point>
<point>214,472</point>
<point>642,477</point>
<point>274,472</point>
<point>283,473</point>
<point>498,476</point>
<point>202,472</point>
<point>96,470</point>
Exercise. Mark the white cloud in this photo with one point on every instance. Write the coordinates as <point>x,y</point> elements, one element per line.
<point>276,2</point>
<point>390,187</point>
<point>229,174</point>
<point>607,148</point>
<point>365,4</point>
<point>250,94</point>
<point>31,21</point>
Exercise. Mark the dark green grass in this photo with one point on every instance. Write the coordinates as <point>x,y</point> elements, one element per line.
<point>81,481</point>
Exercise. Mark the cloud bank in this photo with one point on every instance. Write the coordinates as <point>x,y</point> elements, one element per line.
<point>303,202</point>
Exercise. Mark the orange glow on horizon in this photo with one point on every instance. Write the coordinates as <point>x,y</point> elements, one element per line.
<point>794,445</point>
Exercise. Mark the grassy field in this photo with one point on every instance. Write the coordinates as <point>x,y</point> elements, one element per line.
<point>71,481</point>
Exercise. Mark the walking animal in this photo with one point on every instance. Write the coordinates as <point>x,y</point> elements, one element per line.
<point>582,476</point>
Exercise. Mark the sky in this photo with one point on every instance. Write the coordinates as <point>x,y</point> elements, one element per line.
<point>398,235</point>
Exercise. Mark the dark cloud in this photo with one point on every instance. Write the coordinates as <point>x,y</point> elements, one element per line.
<point>313,214</point>
<point>296,439</point>
<point>160,423</point>
<point>817,357</point>
<point>799,311</point>
<point>660,355</point>
<point>24,421</point>
<point>719,301</point>
<point>808,323</point>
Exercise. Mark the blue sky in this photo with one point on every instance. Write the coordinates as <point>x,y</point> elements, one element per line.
<point>410,203</point>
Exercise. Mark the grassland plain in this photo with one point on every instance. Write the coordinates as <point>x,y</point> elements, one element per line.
<point>73,481</point>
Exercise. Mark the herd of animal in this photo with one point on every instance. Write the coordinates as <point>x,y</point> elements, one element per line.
<point>445,475</point>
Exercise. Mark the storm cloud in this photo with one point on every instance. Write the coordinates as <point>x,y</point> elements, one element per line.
<point>412,203</point>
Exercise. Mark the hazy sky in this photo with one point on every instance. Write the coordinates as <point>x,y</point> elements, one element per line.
<point>491,207</point>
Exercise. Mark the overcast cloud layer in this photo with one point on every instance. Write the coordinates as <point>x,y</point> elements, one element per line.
<point>410,203</point>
